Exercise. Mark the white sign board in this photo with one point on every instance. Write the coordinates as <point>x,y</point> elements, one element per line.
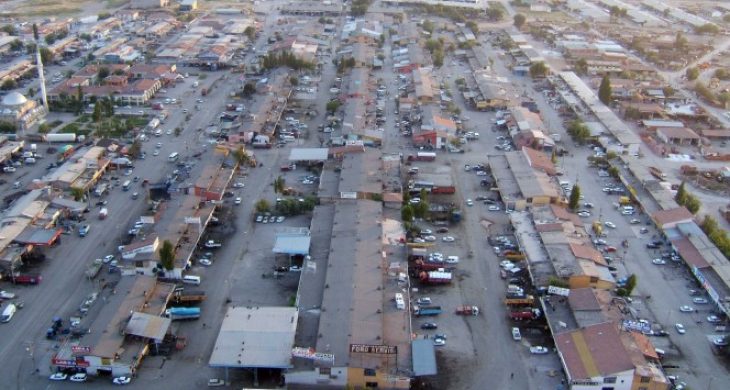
<point>558,291</point>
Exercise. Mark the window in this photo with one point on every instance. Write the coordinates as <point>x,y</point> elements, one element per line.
<point>371,385</point>
<point>610,379</point>
<point>368,372</point>
<point>645,379</point>
<point>325,371</point>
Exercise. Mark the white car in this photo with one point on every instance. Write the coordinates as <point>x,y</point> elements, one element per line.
<point>439,341</point>
<point>59,376</point>
<point>610,224</point>
<point>415,201</point>
<point>237,201</point>
<point>9,169</point>
<point>280,219</point>
<point>158,145</point>
<point>169,132</point>
<point>6,295</point>
<point>448,239</point>
<point>452,259</point>
<point>506,264</point>
<point>680,328</point>
<point>700,301</point>
<point>205,262</point>
<point>419,240</point>
<point>686,309</point>
<point>429,238</point>
<point>538,350</point>
<point>659,262</point>
<point>109,258</point>
<point>156,153</point>
<point>481,173</point>
<point>469,202</point>
<point>122,380</point>
<point>493,208</point>
<point>426,231</point>
<point>238,185</point>
<point>424,301</point>
<point>584,214</point>
<point>80,377</point>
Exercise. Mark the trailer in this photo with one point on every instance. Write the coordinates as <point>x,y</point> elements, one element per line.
<point>656,172</point>
<point>422,311</point>
<point>525,314</point>
<point>188,296</point>
<point>183,313</point>
<point>519,300</point>
<point>435,277</point>
<point>467,310</point>
<point>60,137</point>
<point>422,156</point>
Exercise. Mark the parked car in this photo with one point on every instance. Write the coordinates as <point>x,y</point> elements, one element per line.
<point>59,376</point>
<point>424,301</point>
<point>448,239</point>
<point>680,328</point>
<point>122,380</point>
<point>429,325</point>
<point>80,377</point>
<point>686,309</point>
<point>700,301</point>
<point>538,350</point>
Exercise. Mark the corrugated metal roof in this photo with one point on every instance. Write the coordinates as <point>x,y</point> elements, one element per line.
<point>424,358</point>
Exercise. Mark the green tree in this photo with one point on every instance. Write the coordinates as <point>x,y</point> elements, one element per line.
<point>102,74</point>
<point>495,12</point>
<point>250,33</point>
<point>407,213</point>
<point>8,84</point>
<point>613,172</point>
<point>581,66</point>
<point>135,149</point>
<point>578,131</point>
<point>438,58</point>
<point>681,196</point>
<point>96,115</point>
<point>262,206</point>
<point>77,193</point>
<point>9,29</point>
<point>574,200</point>
<point>332,106</point>
<point>249,89</point>
<point>630,284</point>
<point>538,69</point>
<point>722,74</point>
<point>241,156</point>
<point>604,91</point>
<point>693,204</point>
<point>473,26</point>
<point>680,41</point>
<point>294,81</point>
<point>167,255</point>
<point>519,20</point>
<point>279,184</point>
<point>708,28</point>
<point>668,91</point>
<point>7,127</point>
<point>692,73</point>
<point>17,45</point>
<point>46,56</point>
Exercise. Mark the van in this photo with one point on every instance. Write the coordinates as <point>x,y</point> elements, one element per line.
<point>516,335</point>
<point>400,303</point>
<point>8,313</point>
<point>125,186</point>
<point>288,138</point>
<point>191,279</point>
<point>158,132</point>
<point>660,353</point>
<point>173,156</point>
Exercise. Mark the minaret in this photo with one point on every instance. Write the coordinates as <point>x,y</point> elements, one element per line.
<point>39,64</point>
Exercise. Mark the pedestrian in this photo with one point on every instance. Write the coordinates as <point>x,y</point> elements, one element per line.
<point>511,375</point>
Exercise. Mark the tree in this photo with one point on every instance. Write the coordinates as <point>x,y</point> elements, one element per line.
<point>680,41</point>
<point>332,106</point>
<point>7,127</point>
<point>693,204</point>
<point>249,89</point>
<point>407,213</point>
<point>604,91</point>
<point>473,26</point>
<point>136,147</point>
<point>438,58</point>
<point>519,20</point>
<point>574,197</point>
<point>16,45</point>
<point>630,284</point>
<point>708,28</point>
<point>102,74</point>
<point>692,73</point>
<point>294,81</point>
<point>495,12</point>
<point>262,206</point>
<point>681,196</point>
<point>668,91</point>
<point>581,66</point>
<point>77,193</point>
<point>250,32</point>
<point>96,115</point>
<point>46,56</point>
<point>538,69</point>
<point>578,131</point>
<point>9,84</point>
<point>241,156</point>
<point>279,184</point>
<point>167,255</point>
<point>613,172</point>
<point>9,29</point>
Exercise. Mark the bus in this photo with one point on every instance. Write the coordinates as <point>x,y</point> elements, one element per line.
<point>126,184</point>
<point>173,156</point>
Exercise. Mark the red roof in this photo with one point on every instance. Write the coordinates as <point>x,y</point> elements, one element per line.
<point>593,351</point>
<point>676,215</point>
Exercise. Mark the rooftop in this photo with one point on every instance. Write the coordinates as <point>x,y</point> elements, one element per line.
<point>261,337</point>
<point>593,351</point>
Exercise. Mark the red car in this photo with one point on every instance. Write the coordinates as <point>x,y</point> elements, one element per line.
<point>610,249</point>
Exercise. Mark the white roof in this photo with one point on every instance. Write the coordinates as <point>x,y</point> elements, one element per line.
<point>14,99</point>
<point>308,154</point>
<point>256,337</point>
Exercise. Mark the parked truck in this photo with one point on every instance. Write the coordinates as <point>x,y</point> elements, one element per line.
<point>422,311</point>
<point>212,244</point>
<point>422,156</point>
<point>27,279</point>
<point>525,314</point>
<point>153,123</point>
<point>435,277</point>
<point>188,296</point>
<point>656,172</point>
<point>519,300</point>
<point>103,213</point>
<point>467,310</point>
<point>101,189</point>
<point>60,137</point>
<point>183,313</point>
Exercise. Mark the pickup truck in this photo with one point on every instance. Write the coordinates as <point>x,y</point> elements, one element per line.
<point>212,244</point>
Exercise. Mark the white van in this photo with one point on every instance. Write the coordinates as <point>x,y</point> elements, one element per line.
<point>400,303</point>
<point>173,156</point>
<point>8,313</point>
<point>158,132</point>
<point>288,138</point>
<point>516,335</point>
<point>191,279</point>
<point>30,160</point>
